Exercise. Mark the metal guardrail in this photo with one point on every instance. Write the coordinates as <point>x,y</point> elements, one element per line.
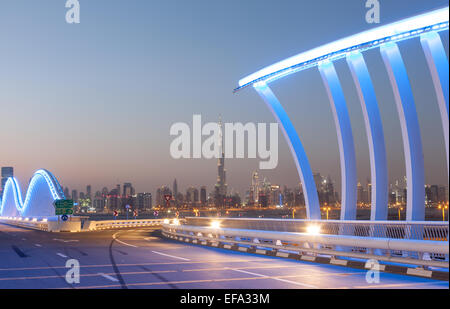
<point>114,224</point>
<point>33,223</point>
<point>421,230</point>
<point>407,251</point>
<point>87,225</point>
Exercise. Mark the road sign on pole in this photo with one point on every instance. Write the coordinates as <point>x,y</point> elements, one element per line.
<point>63,207</point>
<point>168,197</point>
<point>128,209</point>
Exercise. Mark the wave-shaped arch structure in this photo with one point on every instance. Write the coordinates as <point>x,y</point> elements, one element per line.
<point>42,191</point>
<point>426,27</point>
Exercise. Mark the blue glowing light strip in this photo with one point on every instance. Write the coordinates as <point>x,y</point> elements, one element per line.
<point>12,184</point>
<point>437,20</point>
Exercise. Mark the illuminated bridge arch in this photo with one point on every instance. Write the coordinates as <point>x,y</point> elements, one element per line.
<point>43,189</point>
<point>427,27</point>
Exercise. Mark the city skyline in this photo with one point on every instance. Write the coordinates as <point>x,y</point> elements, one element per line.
<point>325,184</point>
<point>126,122</point>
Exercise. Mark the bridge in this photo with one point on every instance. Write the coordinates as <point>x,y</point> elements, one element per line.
<point>385,38</point>
<point>261,253</point>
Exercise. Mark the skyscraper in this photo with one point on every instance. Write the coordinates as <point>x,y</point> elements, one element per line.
<point>88,191</point>
<point>66,192</point>
<point>203,195</point>
<point>175,189</point>
<point>7,172</point>
<point>75,195</point>
<point>254,190</point>
<point>221,185</point>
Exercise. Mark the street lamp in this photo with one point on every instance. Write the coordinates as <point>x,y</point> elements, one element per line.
<point>443,207</point>
<point>327,209</point>
<point>399,214</point>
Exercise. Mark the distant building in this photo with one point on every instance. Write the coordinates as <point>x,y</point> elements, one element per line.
<point>7,172</point>
<point>88,191</point>
<point>175,189</point>
<point>203,196</point>
<point>66,192</point>
<point>160,193</point>
<point>99,202</point>
<point>192,196</point>
<point>442,194</point>
<point>128,189</point>
<point>75,196</point>
<point>143,202</point>
<point>113,201</point>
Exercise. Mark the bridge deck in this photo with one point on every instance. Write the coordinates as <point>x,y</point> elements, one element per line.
<point>140,259</point>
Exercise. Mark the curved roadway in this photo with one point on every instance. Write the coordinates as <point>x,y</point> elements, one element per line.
<point>141,259</point>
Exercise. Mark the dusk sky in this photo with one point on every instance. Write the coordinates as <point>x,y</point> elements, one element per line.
<point>93,102</point>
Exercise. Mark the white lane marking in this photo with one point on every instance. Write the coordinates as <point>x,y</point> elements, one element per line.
<point>150,238</point>
<point>172,256</point>
<point>309,286</point>
<point>38,245</point>
<point>249,273</point>
<point>108,277</point>
<point>62,240</point>
<point>62,255</point>
<point>122,242</point>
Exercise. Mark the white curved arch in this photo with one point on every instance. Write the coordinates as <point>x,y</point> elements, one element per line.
<point>405,29</point>
<point>18,206</point>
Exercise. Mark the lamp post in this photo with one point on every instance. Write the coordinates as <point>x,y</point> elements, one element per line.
<point>399,213</point>
<point>327,209</point>
<point>443,207</point>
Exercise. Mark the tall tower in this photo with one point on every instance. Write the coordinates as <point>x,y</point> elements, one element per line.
<point>175,189</point>
<point>88,191</point>
<point>221,185</point>
<point>255,187</point>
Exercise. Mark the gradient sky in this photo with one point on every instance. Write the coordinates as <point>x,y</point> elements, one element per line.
<point>93,102</point>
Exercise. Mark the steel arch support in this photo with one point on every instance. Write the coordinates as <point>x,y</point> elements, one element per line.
<point>375,135</point>
<point>438,65</point>
<point>412,142</point>
<point>345,139</point>
<point>297,150</point>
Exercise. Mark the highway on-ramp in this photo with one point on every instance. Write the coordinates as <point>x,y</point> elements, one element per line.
<point>140,258</point>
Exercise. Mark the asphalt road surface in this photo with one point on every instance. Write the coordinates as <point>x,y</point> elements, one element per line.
<point>140,259</point>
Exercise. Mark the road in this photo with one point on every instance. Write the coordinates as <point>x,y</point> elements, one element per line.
<point>140,259</point>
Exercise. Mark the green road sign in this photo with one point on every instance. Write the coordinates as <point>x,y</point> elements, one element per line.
<point>63,204</point>
<point>63,211</point>
<point>63,207</point>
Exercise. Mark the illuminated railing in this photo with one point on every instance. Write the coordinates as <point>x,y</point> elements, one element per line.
<point>313,244</point>
<point>379,229</point>
<point>32,223</point>
<point>118,224</point>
